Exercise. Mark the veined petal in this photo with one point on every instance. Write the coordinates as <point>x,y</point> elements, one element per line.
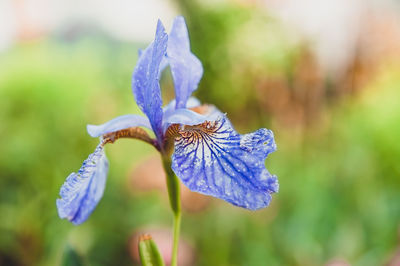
<point>213,159</point>
<point>195,114</point>
<point>118,123</point>
<point>183,117</point>
<point>82,191</point>
<point>145,80</point>
<point>186,68</point>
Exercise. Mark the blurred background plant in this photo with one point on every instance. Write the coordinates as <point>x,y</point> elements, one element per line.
<point>323,75</point>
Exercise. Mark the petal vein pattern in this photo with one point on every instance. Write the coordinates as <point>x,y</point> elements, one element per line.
<point>213,159</point>
<point>182,116</point>
<point>82,191</point>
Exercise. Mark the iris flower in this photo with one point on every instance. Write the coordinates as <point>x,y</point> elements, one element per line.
<point>197,141</point>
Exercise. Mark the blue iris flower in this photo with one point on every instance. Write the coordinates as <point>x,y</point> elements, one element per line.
<point>207,154</point>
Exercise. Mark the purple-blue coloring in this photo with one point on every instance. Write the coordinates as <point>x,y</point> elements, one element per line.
<point>209,156</point>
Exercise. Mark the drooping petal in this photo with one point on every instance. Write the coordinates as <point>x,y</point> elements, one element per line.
<point>131,133</point>
<point>145,80</point>
<point>83,190</point>
<point>186,68</point>
<point>118,123</point>
<point>213,159</point>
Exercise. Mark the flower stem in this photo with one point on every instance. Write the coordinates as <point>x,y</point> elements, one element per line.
<point>175,202</point>
<point>177,226</point>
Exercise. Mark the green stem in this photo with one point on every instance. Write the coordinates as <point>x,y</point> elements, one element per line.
<point>177,226</point>
<point>175,202</point>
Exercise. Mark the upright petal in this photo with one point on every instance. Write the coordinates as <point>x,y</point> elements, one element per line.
<point>186,68</point>
<point>82,191</point>
<point>145,80</point>
<point>164,63</point>
<point>213,159</point>
<point>118,123</point>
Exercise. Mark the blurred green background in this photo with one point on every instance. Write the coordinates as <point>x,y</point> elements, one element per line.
<point>336,127</point>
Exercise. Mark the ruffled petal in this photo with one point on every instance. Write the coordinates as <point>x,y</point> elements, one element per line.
<point>186,68</point>
<point>213,159</point>
<point>145,80</point>
<point>82,191</point>
<point>118,123</point>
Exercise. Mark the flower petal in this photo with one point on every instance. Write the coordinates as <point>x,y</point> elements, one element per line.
<point>164,63</point>
<point>213,159</point>
<point>186,68</point>
<point>184,117</point>
<point>170,107</point>
<point>197,114</point>
<point>145,81</point>
<point>82,191</point>
<point>118,123</point>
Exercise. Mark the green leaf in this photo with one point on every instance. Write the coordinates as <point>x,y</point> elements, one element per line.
<point>148,251</point>
<point>71,257</point>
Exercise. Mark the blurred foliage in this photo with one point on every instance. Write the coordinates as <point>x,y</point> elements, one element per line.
<point>71,258</point>
<point>339,177</point>
<point>49,92</point>
<point>238,45</point>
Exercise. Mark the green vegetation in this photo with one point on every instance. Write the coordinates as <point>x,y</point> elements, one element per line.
<point>339,175</point>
